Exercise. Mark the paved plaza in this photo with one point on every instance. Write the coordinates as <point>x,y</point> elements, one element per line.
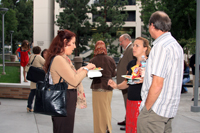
<point>15,119</point>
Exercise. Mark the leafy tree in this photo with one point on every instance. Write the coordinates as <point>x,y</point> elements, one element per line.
<point>19,18</point>
<point>74,17</point>
<point>189,46</point>
<point>181,12</point>
<point>109,17</point>
<point>10,20</point>
<point>25,18</point>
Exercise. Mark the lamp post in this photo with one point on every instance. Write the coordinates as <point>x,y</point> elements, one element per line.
<point>11,32</point>
<point>3,12</point>
<point>196,108</point>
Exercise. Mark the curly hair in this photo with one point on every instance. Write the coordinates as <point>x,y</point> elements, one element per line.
<point>57,45</point>
<point>36,50</point>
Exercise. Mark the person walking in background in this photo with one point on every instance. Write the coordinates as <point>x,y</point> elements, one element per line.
<point>126,57</point>
<point>44,53</point>
<point>37,61</point>
<point>162,83</point>
<point>24,57</point>
<point>192,65</point>
<point>140,48</point>
<point>101,92</point>
<point>62,46</point>
<point>186,77</point>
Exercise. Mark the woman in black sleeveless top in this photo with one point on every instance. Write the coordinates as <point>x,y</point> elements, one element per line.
<point>140,48</point>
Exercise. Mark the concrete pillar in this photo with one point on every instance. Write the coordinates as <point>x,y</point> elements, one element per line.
<point>43,21</point>
<point>138,28</point>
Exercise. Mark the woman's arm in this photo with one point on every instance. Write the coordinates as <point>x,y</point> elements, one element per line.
<point>63,69</point>
<point>123,85</point>
<point>120,86</point>
<point>79,70</point>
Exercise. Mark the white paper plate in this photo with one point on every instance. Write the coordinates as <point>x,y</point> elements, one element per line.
<point>94,73</point>
<point>127,76</point>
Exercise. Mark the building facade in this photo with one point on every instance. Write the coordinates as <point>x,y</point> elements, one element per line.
<point>45,13</point>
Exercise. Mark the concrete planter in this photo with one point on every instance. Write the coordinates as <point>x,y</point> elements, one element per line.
<point>78,62</point>
<point>12,58</point>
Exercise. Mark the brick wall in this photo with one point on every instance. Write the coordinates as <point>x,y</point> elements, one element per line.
<point>14,91</point>
<point>12,63</point>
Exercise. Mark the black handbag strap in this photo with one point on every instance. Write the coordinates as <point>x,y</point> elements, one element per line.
<point>47,75</point>
<point>33,60</point>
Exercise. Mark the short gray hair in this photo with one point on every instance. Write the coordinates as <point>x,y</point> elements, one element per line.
<point>126,36</point>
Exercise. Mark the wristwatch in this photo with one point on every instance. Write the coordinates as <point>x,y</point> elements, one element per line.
<point>86,68</point>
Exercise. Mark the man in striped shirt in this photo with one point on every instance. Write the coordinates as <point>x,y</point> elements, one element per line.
<point>163,78</point>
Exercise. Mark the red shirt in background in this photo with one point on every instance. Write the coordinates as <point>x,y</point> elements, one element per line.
<point>24,56</point>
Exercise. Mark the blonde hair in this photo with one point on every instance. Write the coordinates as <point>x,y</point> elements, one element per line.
<point>145,44</point>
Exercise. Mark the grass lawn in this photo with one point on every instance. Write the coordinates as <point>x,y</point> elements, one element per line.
<point>1,61</point>
<point>12,74</point>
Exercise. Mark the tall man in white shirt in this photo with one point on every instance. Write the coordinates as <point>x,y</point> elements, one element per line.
<point>163,78</point>
<point>126,57</point>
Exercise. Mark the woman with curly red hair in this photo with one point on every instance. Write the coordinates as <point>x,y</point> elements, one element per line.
<point>101,92</point>
<point>62,46</point>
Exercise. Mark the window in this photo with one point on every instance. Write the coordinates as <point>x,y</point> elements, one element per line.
<point>131,16</point>
<point>131,2</point>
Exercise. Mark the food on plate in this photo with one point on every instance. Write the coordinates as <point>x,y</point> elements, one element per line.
<point>128,76</point>
<point>98,68</point>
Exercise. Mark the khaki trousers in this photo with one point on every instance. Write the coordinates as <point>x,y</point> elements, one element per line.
<point>150,122</point>
<point>101,102</point>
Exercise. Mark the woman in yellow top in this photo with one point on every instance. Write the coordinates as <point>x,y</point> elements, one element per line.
<point>62,46</point>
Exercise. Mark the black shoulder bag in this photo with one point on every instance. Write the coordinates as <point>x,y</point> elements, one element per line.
<point>35,74</point>
<point>51,99</point>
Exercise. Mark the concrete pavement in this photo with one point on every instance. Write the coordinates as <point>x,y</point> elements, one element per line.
<point>15,119</point>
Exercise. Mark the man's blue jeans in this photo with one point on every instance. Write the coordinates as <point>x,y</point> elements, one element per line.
<point>186,80</point>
